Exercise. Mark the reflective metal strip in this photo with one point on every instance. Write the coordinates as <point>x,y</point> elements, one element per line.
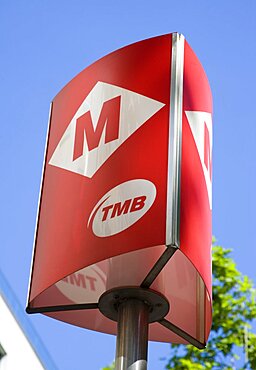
<point>175,329</point>
<point>61,308</point>
<point>175,135</point>
<point>39,202</point>
<point>158,267</point>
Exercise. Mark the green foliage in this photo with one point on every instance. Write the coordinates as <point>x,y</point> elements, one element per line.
<point>234,310</point>
<point>110,367</point>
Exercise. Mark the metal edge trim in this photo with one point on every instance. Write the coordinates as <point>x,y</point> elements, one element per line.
<point>175,329</point>
<point>158,266</point>
<point>60,308</point>
<point>39,201</point>
<point>174,143</point>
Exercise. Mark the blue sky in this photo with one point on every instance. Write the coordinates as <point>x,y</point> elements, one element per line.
<point>43,44</point>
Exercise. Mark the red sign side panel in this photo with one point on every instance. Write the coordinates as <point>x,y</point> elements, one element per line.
<point>195,216</point>
<point>65,240</point>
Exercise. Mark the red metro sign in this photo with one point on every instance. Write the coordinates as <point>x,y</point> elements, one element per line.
<point>126,193</point>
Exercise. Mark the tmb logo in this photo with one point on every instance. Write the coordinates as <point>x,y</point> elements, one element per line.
<point>84,286</point>
<point>201,126</point>
<point>107,117</point>
<point>121,207</point>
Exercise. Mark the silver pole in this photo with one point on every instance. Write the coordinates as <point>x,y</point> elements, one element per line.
<point>132,335</point>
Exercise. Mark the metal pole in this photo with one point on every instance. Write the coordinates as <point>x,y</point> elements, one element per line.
<point>132,335</point>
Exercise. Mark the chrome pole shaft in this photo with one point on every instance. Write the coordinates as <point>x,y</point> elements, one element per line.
<point>132,335</point>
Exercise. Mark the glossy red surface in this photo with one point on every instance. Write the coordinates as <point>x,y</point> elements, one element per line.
<point>75,264</point>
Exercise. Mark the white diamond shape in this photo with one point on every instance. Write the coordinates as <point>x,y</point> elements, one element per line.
<point>135,110</point>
